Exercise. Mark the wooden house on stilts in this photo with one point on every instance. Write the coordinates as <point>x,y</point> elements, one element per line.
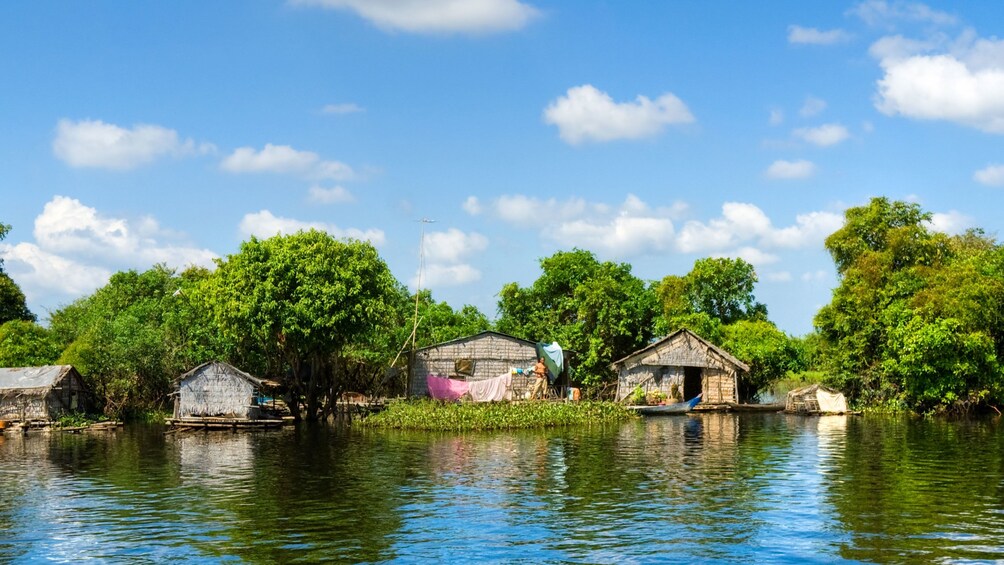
<point>216,393</point>
<point>41,394</point>
<point>684,363</point>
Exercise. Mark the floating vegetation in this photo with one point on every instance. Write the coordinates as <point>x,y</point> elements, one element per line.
<point>468,416</point>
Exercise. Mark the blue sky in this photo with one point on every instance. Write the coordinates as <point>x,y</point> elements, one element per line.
<point>652,133</point>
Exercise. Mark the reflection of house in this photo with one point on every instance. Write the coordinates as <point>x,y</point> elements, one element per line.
<point>683,359</point>
<point>218,389</point>
<point>41,393</point>
<point>473,358</point>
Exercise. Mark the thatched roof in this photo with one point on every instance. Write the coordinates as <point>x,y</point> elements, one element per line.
<point>725,355</point>
<point>229,369</point>
<point>36,381</point>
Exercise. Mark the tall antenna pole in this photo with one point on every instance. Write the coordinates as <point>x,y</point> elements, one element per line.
<point>418,286</point>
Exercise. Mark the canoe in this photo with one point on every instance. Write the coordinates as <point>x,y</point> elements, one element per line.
<point>678,408</point>
<point>736,407</point>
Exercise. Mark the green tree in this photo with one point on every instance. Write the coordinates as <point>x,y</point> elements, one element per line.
<point>598,310</point>
<point>302,300</point>
<point>723,288</point>
<point>26,344</point>
<point>768,351</point>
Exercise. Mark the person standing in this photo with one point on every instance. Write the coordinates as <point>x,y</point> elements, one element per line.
<point>540,385</point>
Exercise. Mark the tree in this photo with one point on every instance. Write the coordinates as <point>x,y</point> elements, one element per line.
<point>301,300</point>
<point>723,288</point>
<point>598,310</point>
<point>768,351</point>
<point>26,344</point>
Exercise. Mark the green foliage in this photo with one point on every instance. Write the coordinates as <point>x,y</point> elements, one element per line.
<point>26,344</point>
<point>12,301</point>
<point>768,351</point>
<point>439,416</point>
<point>299,302</point>
<point>917,319</point>
<point>723,288</point>
<point>598,310</point>
<point>637,397</point>
<point>125,339</point>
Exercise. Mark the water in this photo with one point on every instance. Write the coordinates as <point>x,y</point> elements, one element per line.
<point>709,488</point>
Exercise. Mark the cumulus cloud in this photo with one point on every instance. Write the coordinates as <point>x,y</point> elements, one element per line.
<point>753,256</point>
<point>587,114</point>
<point>472,206</point>
<point>266,224</point>
<point>447,275</point>
<point>342,108</point>
<point>785,170</point>
<point>776,117</point>
<point>743,224</point>
<point>778,276</point>
<point>332,195</point>
<point>812,106</point>
<point>436,16</point>
<point>76,249</point>
<point>960,81</point>
<point>952,222</point>
<point>446,254</point>
<point>824,135</point>
<point>812,36</point>
<point>992,175</point>
<point>96,144</point>
<point>284,159</point>
<point>883,13</point>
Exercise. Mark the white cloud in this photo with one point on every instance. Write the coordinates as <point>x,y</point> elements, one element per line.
<point>332,195</point>
<point>472,206</point>
<point>881,13</point>
<point>776,117</point>
<point>76,249</point>
<point>436,16</point>
<point>753,256</point>
<point>779,276</point>
<point>453,245</point>
<point>447,275</point>
<point>286,160</point>
<point>952,222</point>
<point>782,169</point>
<point>812,36</point>
<point>815,276</point>
<point>342,108</point>
<point>992,175</point>
<point>812,106</point>
<point>809,229</point>
<point>960,81</point>
<point>93,143</point>
<point>266,224</point>
<point>742,224</point>
<point>41,273</point>
<point>587,114</point>
<point>824,135</point>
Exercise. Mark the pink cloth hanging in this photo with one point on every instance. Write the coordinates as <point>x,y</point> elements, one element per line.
<point>442,388</point>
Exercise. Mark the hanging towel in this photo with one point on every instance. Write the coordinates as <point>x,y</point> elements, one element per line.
<point>443,388</point>
<point>494,389</point>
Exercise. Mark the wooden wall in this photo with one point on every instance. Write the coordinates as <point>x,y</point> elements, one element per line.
<point>213,391</point>
<point>492,354</point>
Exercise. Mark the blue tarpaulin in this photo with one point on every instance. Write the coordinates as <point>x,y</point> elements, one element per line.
<point>554,358</point>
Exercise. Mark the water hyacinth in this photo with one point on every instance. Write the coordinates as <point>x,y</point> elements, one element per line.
<point>468,416</point>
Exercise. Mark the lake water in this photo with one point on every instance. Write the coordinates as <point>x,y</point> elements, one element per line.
<point>704,487</point>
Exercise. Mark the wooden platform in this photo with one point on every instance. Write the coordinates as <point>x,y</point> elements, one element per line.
<point>212,423</point>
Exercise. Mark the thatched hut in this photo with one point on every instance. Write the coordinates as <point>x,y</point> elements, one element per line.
<point>684,363</point>
<point>815,399</point>
<point>41,393</point>
<point>473,358</point>
<point>217,389</point>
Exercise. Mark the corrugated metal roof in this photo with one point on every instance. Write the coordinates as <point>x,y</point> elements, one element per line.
<point>32,377</point>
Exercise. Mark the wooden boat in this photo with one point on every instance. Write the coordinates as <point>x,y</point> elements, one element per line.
<point>665,409</point>
<point>736,407</point>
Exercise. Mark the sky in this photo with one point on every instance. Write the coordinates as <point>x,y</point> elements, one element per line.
<point>650,133</point>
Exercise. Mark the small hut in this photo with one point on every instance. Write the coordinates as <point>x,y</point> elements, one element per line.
<point>473,358</point>
<point>217,389</point>
<point>41,393</point>
<point>815,399</point>
<point>682,362</point>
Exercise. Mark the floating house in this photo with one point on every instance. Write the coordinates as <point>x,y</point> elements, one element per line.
<point>218,390</point>
<point>684,363</point>
<point>41,393</point>
<point>815,399</point>
<point>471,359</point>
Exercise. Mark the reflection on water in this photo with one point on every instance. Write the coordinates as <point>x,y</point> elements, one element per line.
<point>703,487</point>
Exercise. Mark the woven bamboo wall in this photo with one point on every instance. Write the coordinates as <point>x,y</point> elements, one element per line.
<point>215,392</point>
<point>718,377</point>
<point>15,405</point>
<point>650,378</point>
<point>492,354</point>
<point>65,395</point>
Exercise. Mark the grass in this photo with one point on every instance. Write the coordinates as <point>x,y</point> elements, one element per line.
<point>432,415</point>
